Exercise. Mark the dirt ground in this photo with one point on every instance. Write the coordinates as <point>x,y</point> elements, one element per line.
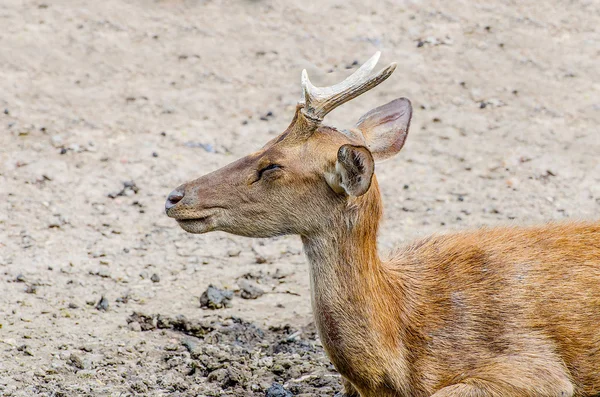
<point>106,106</point>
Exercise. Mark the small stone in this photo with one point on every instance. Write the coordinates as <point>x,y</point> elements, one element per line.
<point>139,387</point>
<point>75,147</point>
<point>277,390</point>
<point>278,369</point>
<point>25,349</point>
<point>233,252</point>
<point>218,375</point>
<point>76,361</point>
<point>20,278</point>
<point>249,289</point>
<point>193,347</point>
<point>215,298</point>
<point>154,154</point>
<point>102,304</point>
<point>155,278</point>
<point>56,141</point>
<point>172,347</point>
<point>135,326</point>
<point>31,289</point>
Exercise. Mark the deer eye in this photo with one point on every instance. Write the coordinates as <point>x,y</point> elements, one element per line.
<point>269,167</point>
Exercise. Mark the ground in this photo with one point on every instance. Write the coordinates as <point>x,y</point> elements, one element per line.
<point>107,106</point>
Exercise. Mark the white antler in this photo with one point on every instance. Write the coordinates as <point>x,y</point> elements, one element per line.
<point>318,101</point>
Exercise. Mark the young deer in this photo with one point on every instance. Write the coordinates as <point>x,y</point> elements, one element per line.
<point>494,312</point>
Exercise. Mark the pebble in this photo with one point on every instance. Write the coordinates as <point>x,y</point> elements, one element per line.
<point>104,273</point>
<point>139,387</point>
<point>155,278</point>
<point>102,304</point>
<point>135,326</point>
<point>25,349</point>
<point>249,289</point>
<point>76,361</point>
<point>215,298</point>
<point>56,141</point>
<point>217,375</point>
<point>277,390</point>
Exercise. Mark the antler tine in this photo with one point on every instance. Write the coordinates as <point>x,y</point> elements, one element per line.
<point>321,100</point>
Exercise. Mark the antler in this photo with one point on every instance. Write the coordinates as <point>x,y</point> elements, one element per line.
<point>318,101</point>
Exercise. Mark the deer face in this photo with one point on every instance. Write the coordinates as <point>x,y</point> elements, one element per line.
<point>298,181</point>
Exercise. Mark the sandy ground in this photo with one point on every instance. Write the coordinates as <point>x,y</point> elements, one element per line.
<point>106,106</point>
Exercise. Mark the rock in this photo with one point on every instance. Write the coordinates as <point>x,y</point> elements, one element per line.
<point>215,298</point>
<point>217,375</point>
<point>155,278</point>
<point>146,322</point>
<point>249,289</point>
<point>135,326</point>
<point>76,361</point>
<point>102,304</point>
<point>233,252</point>
<point>194,348</point>
<point>206,146</point>
<point>129,189</point>
<point>104,273</point>
<point>25,349</point>
<point>277,390</point>
<point>139,387</point>
<point>56,141</point>
<point>278,369</point>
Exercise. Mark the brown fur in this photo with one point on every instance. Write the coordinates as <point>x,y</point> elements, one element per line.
<point>494,312</point>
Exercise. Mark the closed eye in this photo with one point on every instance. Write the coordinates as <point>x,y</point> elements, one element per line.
<point>269,167</point>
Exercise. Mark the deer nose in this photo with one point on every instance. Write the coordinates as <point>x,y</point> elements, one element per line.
<point>174,197</point>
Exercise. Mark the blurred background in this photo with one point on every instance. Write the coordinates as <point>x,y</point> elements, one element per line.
<point>107,106</point>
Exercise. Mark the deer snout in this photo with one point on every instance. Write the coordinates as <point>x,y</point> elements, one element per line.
<point>174,197</point>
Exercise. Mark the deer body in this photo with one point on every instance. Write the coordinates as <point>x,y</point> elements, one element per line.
<point>521,303</point>
<point>498,312</point>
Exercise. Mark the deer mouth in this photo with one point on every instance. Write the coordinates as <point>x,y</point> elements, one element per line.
<point>196,221</point>
<point>196,225</point>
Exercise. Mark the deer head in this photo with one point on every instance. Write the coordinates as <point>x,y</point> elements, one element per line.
<point>310,173</point>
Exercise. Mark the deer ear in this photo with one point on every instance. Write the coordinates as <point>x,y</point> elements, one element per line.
<point>353,170</point>
<point>385,128</point>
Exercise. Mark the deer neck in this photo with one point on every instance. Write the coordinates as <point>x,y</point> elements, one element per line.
<point>351,294</point>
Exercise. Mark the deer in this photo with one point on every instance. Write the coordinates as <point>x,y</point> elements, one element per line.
<point>493,312</point>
